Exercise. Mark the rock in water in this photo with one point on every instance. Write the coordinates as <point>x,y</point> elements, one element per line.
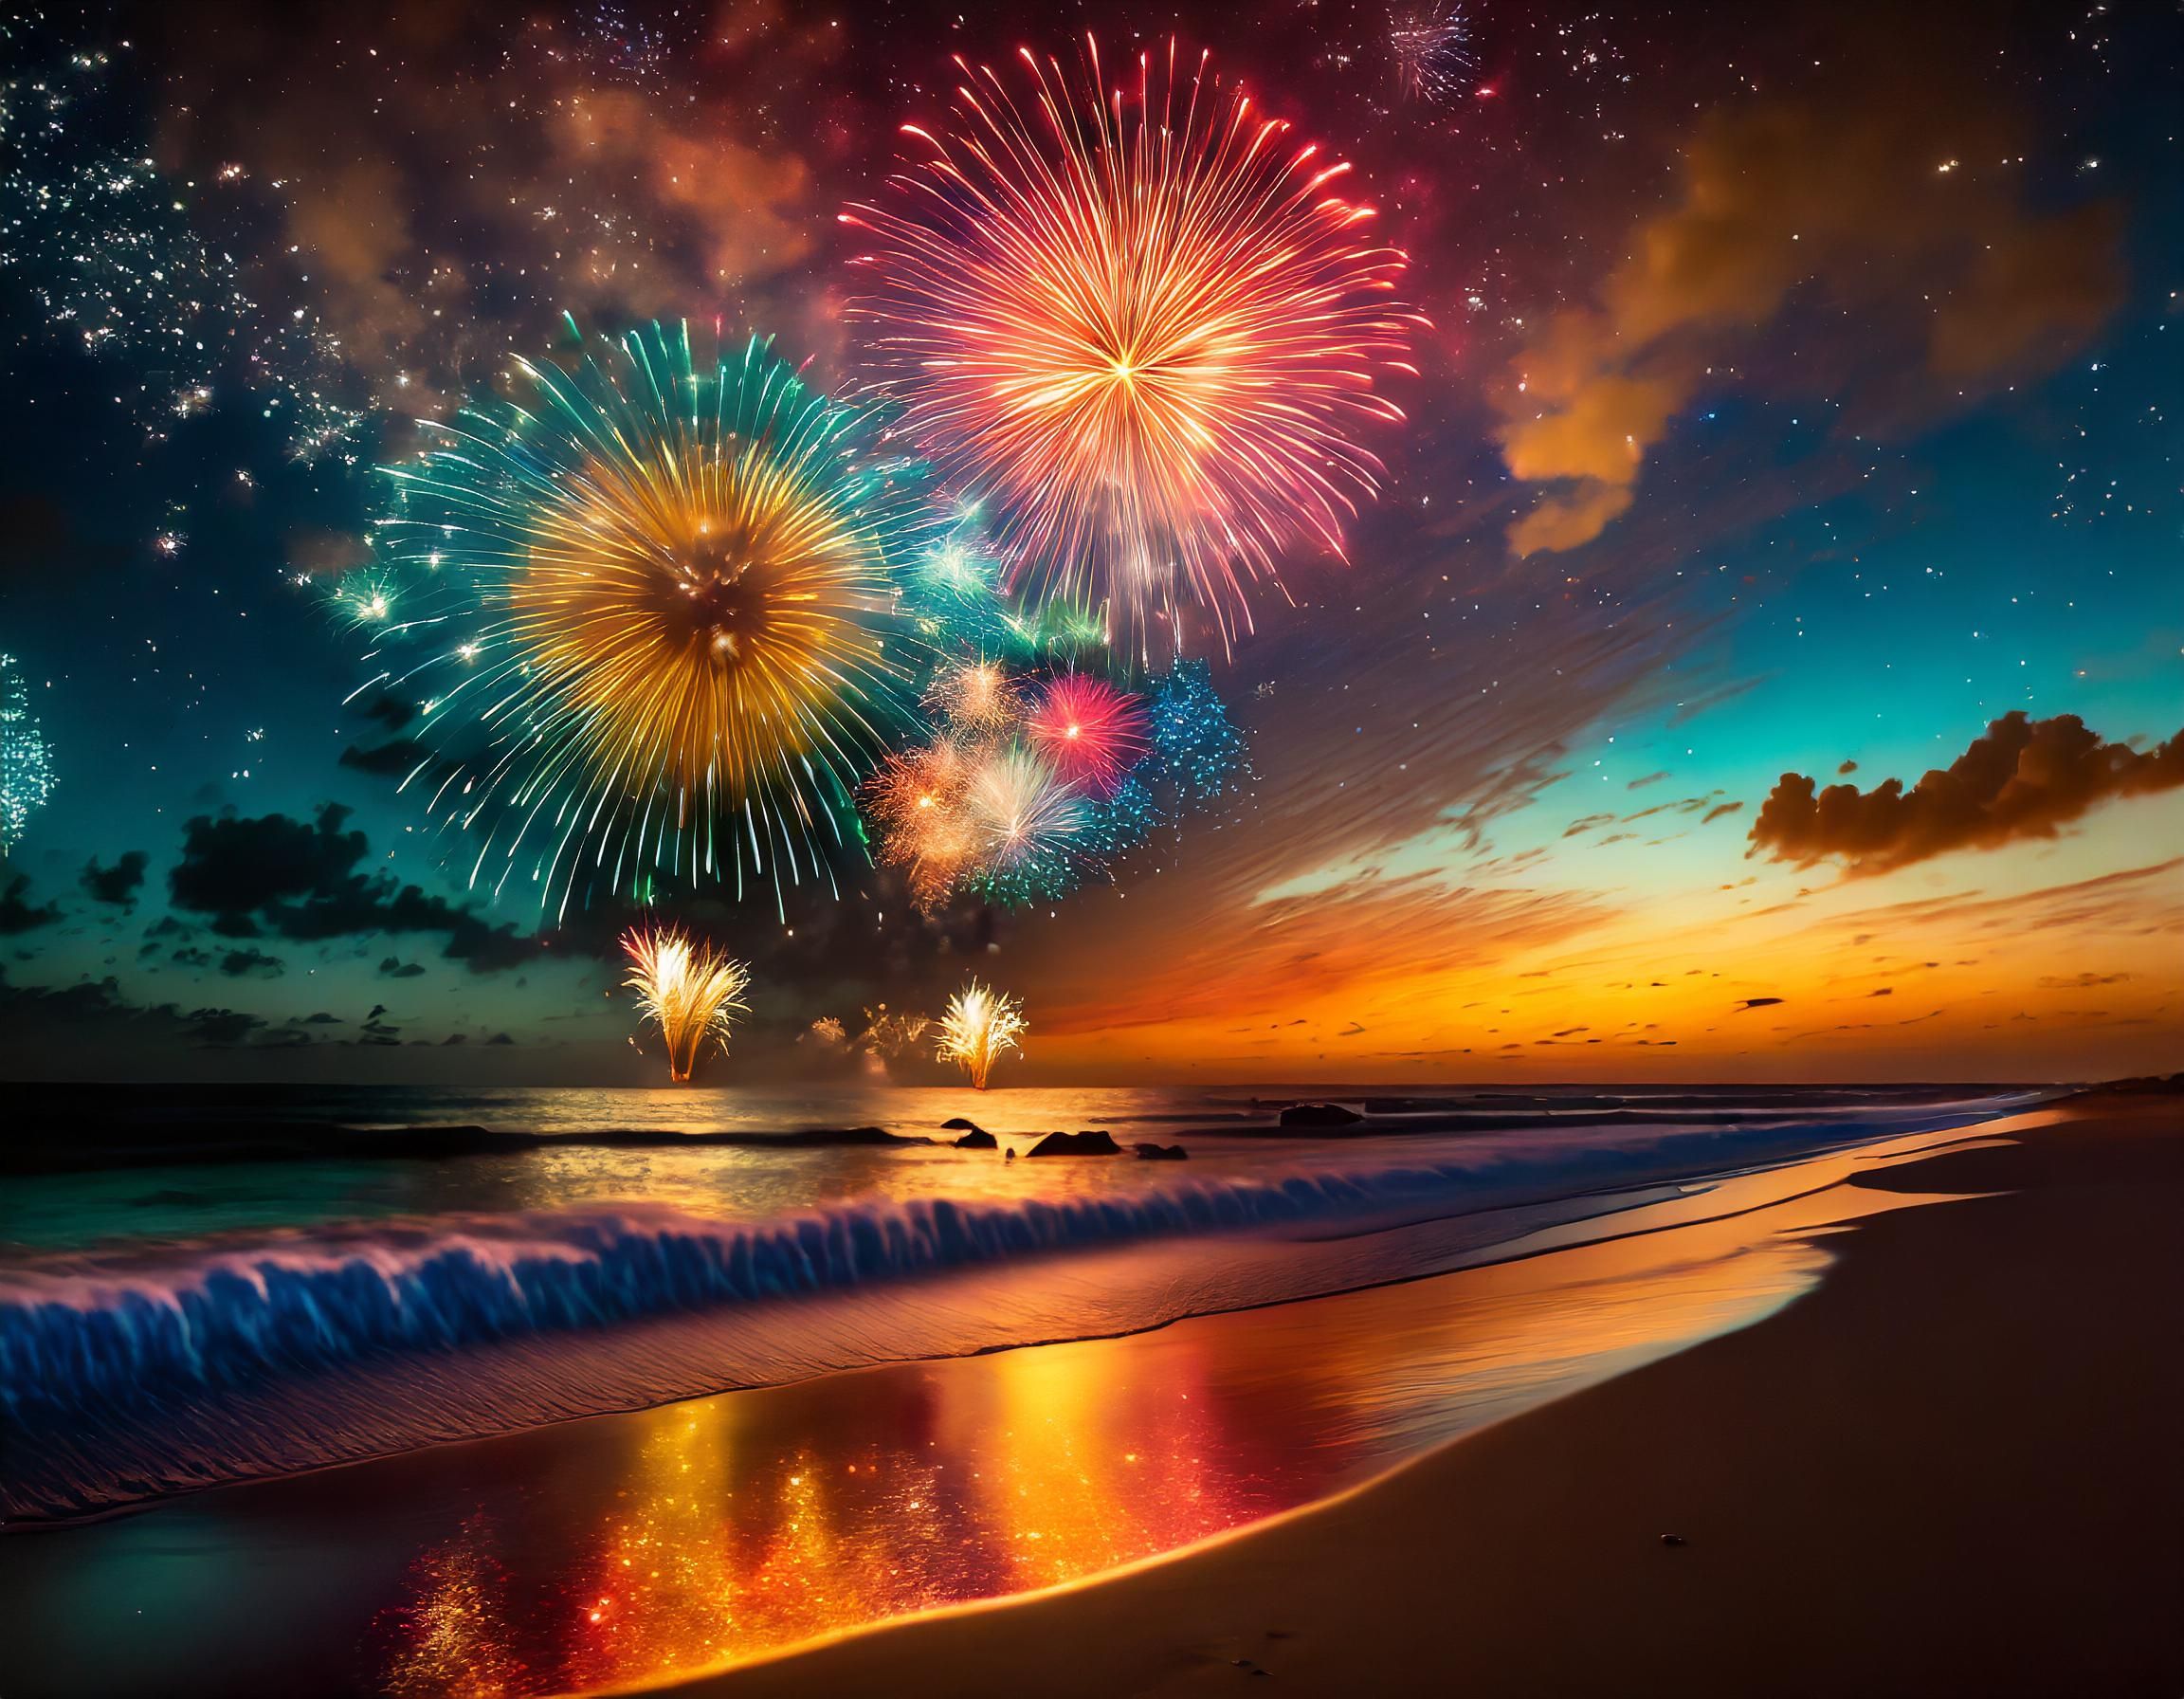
<point>1320,1115</point>
<point>1161,1152</point>
<point>978,1139</point>
<point>956,1124</point>
<point>1076,1145</point>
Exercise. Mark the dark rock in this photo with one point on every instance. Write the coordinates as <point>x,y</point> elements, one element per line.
<point>1672,1540</point>
<point>848,1136</point>
<point>978,1139</point>
<point>1320,1115</point>
<point>956,1124</point>
<point>1160,1153</point>
<point>1076,1145</point>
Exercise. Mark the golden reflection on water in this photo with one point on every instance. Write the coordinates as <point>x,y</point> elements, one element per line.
<point>709,1532</point>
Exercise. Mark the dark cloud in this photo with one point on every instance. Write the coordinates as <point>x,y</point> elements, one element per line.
<point>220,1028</point>
<point>18,913</point>
<point>390,711</point>
<point>41,1023</point>
<point>2022,779</point>
<point>118,884</point>
<point>300,879</point>
<point>394,967</point>
<point>393,759</point>
<point>499,1038</point>
<point>236,964</point>
<point>1758,1003</point>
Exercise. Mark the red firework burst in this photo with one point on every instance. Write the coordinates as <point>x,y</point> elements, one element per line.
<point>1091,732</point>
<point>1146,328</point>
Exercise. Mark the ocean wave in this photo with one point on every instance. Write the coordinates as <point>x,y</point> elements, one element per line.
<point>127,1377</point>
<point>81,1334</point>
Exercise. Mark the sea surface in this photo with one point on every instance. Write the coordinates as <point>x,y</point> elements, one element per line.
<point>791,1341</point>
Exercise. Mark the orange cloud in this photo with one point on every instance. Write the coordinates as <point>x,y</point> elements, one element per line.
<point>434,218</point>
<point>1836,196</point>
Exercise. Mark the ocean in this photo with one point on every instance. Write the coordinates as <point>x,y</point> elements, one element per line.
<point>518,1338</point>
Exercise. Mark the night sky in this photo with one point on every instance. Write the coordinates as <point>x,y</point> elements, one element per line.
<point>1799,403</point>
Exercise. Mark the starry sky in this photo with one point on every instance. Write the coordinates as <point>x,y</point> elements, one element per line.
<point>1764,658</point>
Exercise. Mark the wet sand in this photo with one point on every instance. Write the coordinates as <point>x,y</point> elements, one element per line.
<point>1952,1469</point>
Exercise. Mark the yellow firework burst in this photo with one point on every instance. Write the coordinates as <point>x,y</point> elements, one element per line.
<point>981,1026</point>
<point>691,991</point>
<point>673,601</point>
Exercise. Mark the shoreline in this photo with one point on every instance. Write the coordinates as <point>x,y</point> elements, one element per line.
<point>88,1140</point>
<point>780,1330</point>
<point>1949,1467</point>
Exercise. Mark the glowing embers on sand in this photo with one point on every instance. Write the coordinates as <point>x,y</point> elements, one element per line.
<point>706,1534</point>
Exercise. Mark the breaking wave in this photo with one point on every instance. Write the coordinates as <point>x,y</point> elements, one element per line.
<point>125,1376</point>
<point>79,1337</point>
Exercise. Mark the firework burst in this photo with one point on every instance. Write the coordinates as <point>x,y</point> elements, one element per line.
<point>1019,809</point>
<point>1431,48</point>
<point>669,592</point>
<point>973,695</point>
<point>365,597</point>
<point>979,1027</point>
<point>1145,331</point>
<point>26,764</point>
<point>917,801</point>
<point>691,991</point>
<point>1091,732</point>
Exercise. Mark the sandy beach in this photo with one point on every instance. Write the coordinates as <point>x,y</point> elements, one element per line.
<point>1952,1469</point>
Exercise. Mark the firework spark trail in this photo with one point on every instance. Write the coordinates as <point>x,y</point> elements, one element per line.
<point>979,1027</point>
<point>26,763</point>
<point>673,592</point>
<point>1431,49</point>
<point>691,991</point>
<point>1092,733</point>
<point>1144,332</point>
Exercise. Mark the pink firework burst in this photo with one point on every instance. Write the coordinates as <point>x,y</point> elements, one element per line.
<point>1091,732</point>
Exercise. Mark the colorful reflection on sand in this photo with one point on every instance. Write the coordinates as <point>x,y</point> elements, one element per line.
<point>621,1551</point>
<point>731,1527</point>
<point>731,1533</point>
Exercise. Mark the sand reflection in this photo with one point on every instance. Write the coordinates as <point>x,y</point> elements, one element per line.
<point>714,1531</point>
